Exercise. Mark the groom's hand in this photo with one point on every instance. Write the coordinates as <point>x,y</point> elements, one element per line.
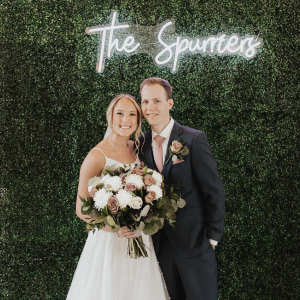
<point>213,246</point>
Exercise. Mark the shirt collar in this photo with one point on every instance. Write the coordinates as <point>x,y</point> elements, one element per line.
<point>166,133</point>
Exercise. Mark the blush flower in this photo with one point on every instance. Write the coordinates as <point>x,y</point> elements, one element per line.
<point>149,180</point>
<point>151,196</point>
<point>113,204</point>
<point>136,203</point>
<point>156,189</point>
<point>176,146</point>
<point>130,187</point>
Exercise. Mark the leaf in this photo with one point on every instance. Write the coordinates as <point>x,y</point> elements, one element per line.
<point>170,211</point>
<point>99,186</point>
<point>181,203</point>
<point>159,204</point>
<point>106,210</point>
<point>184,151</point>
<point>145,211</point>
<point>99,220</point>
<point>175,206</point>
<point>174,158</point>
<point>132,216</point>
<point>110,221</point>
<point>166,200</point>
<point>115,228</point>
<point>90,226</point>
<point>85,208</point>
<point>146,168</point>
<point>141,226</point>
<point>174,196</point>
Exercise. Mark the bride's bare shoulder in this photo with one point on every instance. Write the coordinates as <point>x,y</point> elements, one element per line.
<point>95,159</point>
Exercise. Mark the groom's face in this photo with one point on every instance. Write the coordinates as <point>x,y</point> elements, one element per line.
<point>156,106</point>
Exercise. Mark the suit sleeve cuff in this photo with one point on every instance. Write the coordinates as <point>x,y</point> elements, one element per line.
<point>213,242</point>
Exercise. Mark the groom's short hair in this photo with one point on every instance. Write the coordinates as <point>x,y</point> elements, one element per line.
<point>156,80</point>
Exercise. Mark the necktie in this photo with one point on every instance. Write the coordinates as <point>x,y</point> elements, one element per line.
<point>159,152</point>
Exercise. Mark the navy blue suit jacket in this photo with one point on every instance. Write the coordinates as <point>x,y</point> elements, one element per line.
<point>200,186</point>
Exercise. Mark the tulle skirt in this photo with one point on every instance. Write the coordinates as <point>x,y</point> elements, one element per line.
<point>106,272</point>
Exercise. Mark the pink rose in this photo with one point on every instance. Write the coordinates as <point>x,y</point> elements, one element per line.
<point>149,180</point>
<point>176,146</point>
<point>150,197</point>
<point>138,171</point>
<point>113,204</point>
<point>130,187</point>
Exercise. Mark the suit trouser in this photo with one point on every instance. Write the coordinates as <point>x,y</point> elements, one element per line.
<point>192,278</point>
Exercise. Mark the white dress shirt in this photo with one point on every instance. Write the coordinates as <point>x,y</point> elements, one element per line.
<point>166,133</point>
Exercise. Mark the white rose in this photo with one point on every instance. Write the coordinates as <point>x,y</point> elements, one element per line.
<point>156,189</point>
<point>101,197</point>
<point>136,203</point>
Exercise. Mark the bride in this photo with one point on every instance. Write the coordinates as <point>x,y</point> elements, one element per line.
<point>104,270</point>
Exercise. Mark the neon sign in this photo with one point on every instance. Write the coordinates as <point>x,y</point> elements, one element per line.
<point>164,45</point>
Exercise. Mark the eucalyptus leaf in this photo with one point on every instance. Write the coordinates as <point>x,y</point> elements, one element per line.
<point>174,158</point>
<point>184,151</point>
<point>145,211</point>
<point>141,226</point>
<point>166,200</point>
<point>132,216</point>
<point>170,211</point>
<point>115,228</point>
<point>110,220</point>
<point>181,203</point>
<point>85,208</point>
<point>99,220</point>
<point>159,204</point>
<point>175,206</point>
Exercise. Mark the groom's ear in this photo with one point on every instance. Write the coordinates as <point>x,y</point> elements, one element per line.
<point>171,103</point>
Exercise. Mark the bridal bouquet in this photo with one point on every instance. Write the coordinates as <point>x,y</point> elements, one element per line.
<point>132,196</point>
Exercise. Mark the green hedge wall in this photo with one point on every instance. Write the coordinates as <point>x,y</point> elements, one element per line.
<point>52,111</point>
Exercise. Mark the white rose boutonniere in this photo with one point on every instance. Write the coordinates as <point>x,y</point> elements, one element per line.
<point>177,151</point>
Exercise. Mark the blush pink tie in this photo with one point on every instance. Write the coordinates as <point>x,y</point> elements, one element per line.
<point>159,152</point>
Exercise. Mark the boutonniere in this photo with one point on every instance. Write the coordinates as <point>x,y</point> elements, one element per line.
<point>177,151</point>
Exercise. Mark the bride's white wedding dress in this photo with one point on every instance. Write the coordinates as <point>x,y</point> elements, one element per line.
<point>106,272</point>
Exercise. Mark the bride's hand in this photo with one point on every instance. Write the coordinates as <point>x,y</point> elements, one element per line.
<point>125,232</point>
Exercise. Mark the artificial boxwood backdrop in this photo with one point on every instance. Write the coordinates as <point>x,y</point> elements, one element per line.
<point>52,112</point>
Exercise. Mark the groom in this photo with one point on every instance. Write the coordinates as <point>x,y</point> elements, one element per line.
<point>186,253</point>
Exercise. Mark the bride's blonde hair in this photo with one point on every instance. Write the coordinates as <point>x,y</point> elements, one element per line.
<point>110,111</point>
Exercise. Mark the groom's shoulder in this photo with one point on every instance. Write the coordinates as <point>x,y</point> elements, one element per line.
<point>191,132</point>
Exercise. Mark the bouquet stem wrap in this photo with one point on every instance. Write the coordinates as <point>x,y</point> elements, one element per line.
<point>137,247</point>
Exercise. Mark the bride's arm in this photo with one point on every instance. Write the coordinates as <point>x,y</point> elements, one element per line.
<point>91,167</point>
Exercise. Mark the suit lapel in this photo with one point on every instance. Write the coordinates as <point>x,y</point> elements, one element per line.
<point>175,135</point>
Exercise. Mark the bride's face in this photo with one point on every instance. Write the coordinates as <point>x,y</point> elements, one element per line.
<point>124,117</point>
